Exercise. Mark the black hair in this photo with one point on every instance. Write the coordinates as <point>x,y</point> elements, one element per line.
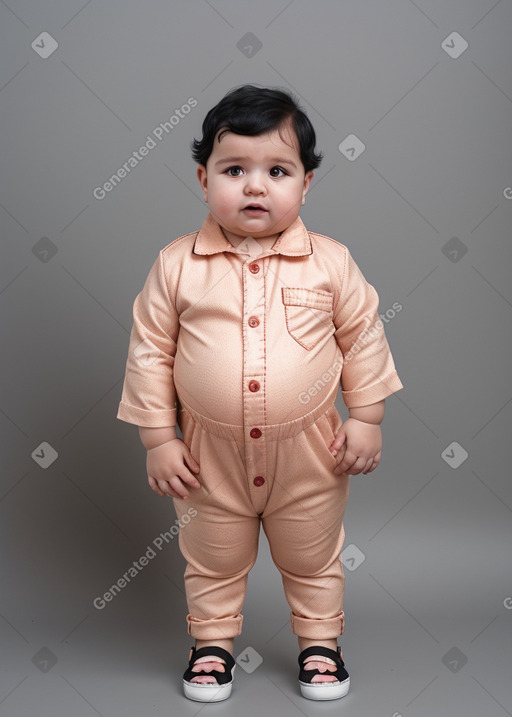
<point>250,110</point>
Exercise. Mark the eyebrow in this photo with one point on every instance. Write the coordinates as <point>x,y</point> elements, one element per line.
<point>234,160</point>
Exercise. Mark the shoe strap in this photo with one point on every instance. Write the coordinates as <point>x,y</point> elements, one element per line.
<point>321,651</point>
<point>214,651</point>
<point>221,678</point>
<point>306,675</point>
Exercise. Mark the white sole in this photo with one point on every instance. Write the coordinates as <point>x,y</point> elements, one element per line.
<point>207,692</point>
<point>324,690</point>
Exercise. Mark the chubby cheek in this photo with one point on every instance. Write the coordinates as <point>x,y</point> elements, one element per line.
<point>289,196</point>
<point>224,200</point>
<point>288,205</point>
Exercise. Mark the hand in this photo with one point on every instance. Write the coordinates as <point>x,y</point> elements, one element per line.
<point>167,469</point>
<point>357,447</point>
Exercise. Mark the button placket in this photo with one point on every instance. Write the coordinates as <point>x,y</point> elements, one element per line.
<point>254,380</point>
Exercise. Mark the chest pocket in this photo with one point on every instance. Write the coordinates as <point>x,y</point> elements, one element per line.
<point>308,314</point>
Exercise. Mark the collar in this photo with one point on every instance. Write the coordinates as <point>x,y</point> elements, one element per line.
<point>294,241</point>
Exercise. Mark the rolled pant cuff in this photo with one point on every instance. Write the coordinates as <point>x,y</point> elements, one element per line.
<point>313,629</point>
<point>223,628</point>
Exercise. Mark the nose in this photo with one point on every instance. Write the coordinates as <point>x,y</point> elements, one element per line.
<point>254,183</point>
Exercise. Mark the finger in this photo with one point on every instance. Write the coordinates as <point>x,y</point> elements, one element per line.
<point>348,461</point>
<point>189,478</point>
<point>339,454</point>
<point>374,466</point>
<point>343,466</point>
<point>154,486</point>
<point>357,466</point>
<point>165,488</point>
<point>339,441</point>
<point>179,489</point>
<point>191,462</point>
<point>370,465</point>
<point>375,462</point>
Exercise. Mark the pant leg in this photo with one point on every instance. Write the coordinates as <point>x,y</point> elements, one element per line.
<point>303,521</point>
<point>220,543</point>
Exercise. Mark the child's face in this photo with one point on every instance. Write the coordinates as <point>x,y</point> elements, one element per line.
<point>243,171</point>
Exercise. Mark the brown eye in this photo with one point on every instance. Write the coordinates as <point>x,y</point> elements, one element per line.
<point>274,172</point>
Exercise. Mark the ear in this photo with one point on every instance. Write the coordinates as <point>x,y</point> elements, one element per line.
<point>201,175</point>
<point>307,183</point>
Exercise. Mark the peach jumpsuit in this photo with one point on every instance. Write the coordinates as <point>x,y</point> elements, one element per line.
<point>245,349</point>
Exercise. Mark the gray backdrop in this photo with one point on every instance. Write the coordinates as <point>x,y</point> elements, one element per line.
<point>425,90</point>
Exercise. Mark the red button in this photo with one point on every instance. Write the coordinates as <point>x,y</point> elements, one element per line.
<point>253,322</point>
<point>259,480</point>
<point>255,433</point>
<point>254,268</point>
<point>254,386</point>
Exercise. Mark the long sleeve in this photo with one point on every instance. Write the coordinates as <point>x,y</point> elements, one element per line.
<point>368,373</point>
<point>149,395</point>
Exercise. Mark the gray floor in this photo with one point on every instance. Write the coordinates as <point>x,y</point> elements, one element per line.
<point>428,624</point>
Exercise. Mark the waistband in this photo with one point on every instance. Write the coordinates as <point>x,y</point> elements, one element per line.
<point>271,432</point>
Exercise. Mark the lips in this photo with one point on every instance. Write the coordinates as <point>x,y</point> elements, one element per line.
<point>255,208</point>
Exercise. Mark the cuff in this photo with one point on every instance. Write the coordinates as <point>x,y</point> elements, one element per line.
<point>313,629</point>
<point>222,628</point>
<point>372,394</point>
<point>148,419</point>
